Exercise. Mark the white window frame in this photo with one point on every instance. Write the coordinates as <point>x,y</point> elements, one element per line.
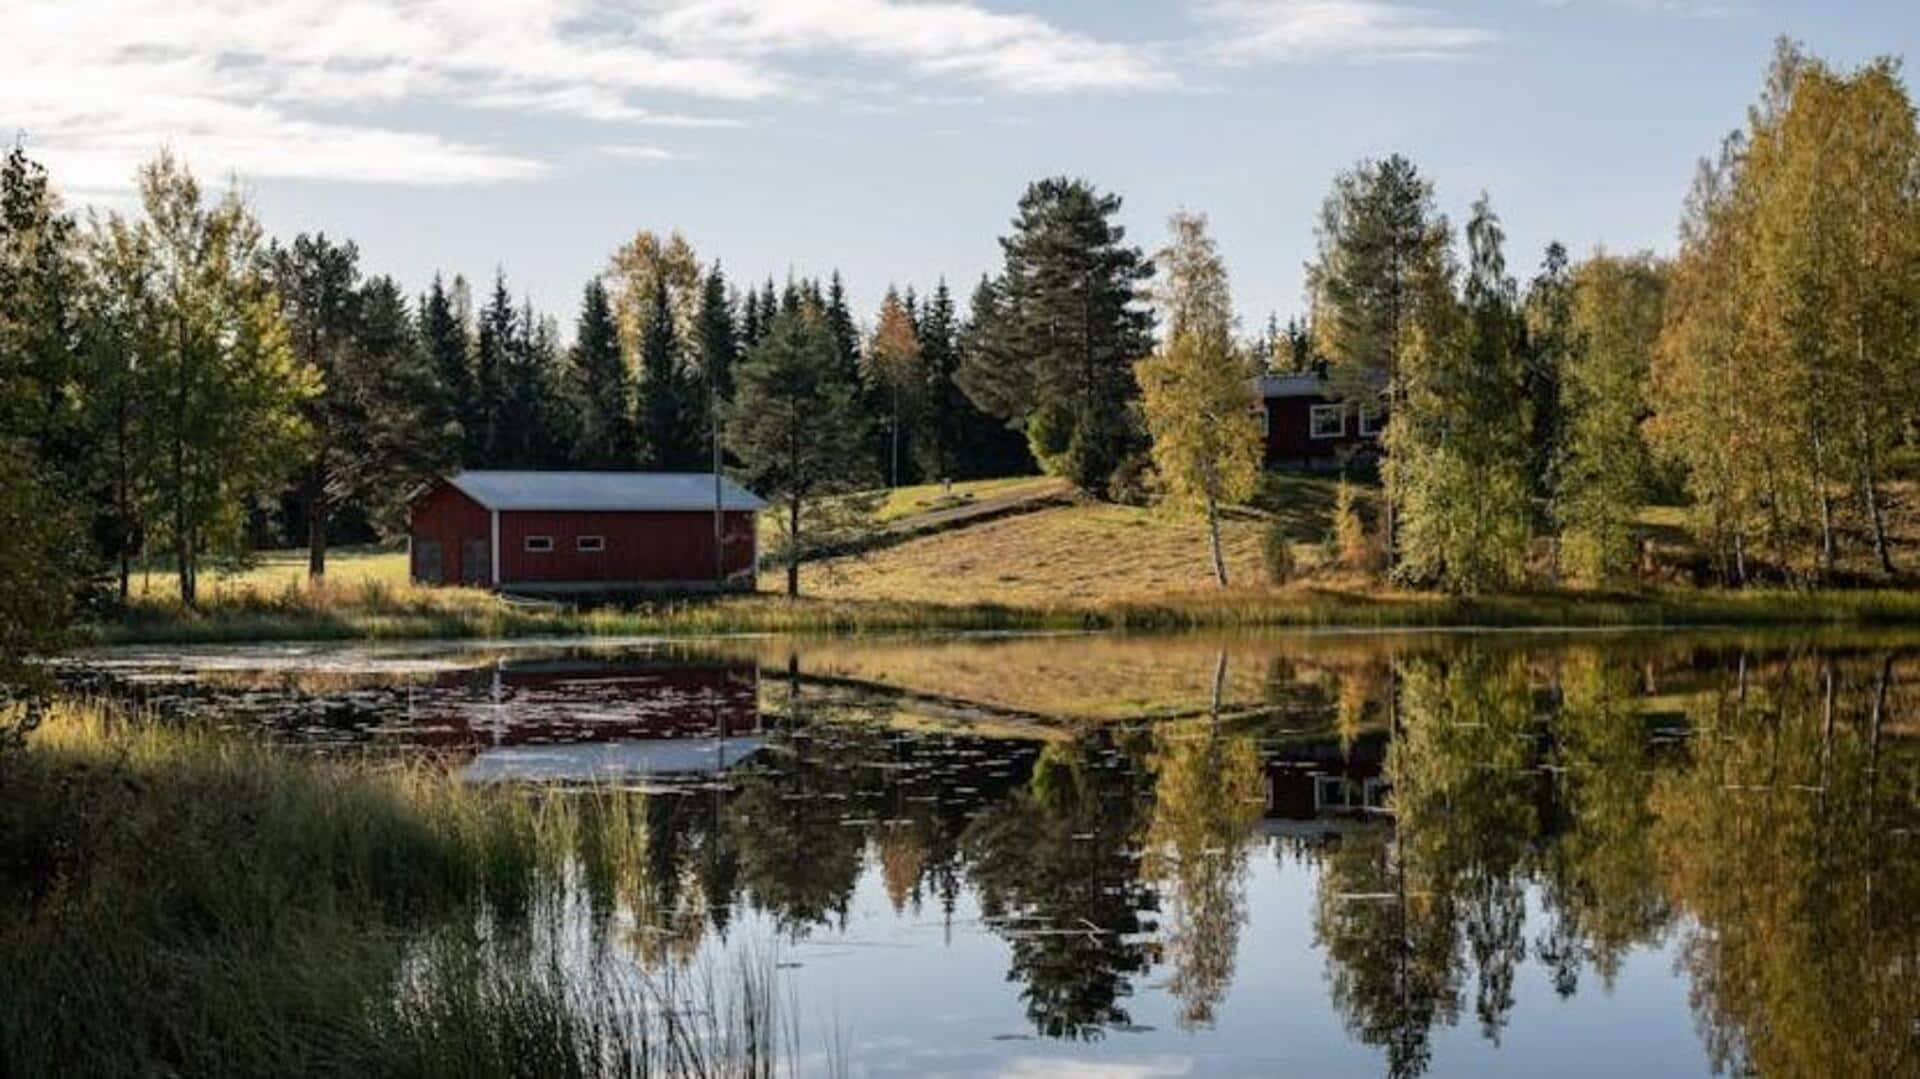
<point>1313,422</point>
<point>590,544</point>
<point>1332,792</point>
<point>1266,422</point>
<point>1370,422</point>
<point>537,545</point>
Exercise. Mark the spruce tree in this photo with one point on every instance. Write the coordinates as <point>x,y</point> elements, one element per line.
<point>601,386</point>
<point>449,353</point>
<point>719,350</point>
<point>1060,330</point>
<point>665,420</point>
<point>797,427</point>
<point>492,358</point>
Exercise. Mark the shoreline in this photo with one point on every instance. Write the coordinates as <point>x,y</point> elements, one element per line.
<point>419,618</point>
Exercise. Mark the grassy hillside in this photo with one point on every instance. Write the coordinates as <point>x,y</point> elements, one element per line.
<point>1062,566</point>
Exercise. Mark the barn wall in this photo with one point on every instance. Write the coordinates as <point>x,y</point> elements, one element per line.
<point>448,515</point>
<point>640,547</point>
<point>1290,434</point>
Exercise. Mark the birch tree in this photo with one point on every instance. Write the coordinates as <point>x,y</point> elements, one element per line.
<point>1197,388</point>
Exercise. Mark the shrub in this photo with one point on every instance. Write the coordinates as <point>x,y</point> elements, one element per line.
<point>1278,549</point>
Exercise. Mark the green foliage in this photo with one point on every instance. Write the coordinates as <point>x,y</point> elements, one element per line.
<point>1197,388</point>
<point>1603,471</point>
<point>1054,338</point>
<point>601,386</point>
<point>227,388</point>
<point>1783,371</point>
<point>796,425</point>
<point>670,440</point>
<point>1458,444</point>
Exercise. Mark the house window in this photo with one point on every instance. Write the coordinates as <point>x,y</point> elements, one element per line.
<point>539,544</point>
<point>1266,422</point>
<point>1331,792</point>
<point>1370,422</point>
<point>1328,421</point>
<point>590,543</point>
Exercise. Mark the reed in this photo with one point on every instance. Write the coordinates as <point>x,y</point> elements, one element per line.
<point>182,901</point>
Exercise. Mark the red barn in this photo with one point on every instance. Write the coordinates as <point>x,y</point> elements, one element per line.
<point>584,532</point>
<point>1304,424</point>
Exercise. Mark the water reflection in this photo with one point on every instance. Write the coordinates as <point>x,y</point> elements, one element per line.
<point>1481,826</point>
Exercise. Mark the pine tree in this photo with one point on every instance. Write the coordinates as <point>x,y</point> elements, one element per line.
<point>601,386</point>
<point>1197,388</point>
<point>492,360</point>
<point>1379,267</point>
<point>797,428</point>
<point>1063,314</point>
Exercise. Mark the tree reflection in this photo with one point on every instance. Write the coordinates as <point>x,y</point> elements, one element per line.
<point>1788,838</point>
<point>1056,870</point>
<point>1206,800</point>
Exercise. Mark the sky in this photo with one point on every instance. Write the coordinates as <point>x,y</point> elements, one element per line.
<point>891,139</point>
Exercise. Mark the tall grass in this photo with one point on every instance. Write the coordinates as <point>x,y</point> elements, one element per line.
<point>376,610</point>
<point>176,901</point>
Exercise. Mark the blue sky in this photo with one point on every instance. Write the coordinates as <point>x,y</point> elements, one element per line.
<point>891,138</point>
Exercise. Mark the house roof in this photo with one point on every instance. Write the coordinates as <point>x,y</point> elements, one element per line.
<point>603,491</point>
<point>1305,384</point>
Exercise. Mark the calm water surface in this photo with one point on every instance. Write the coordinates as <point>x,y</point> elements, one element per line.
<point>1341,854</point>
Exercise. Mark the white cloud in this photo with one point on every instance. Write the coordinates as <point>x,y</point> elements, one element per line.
<point>639,153</point>
<point>1315,29</point>
<point>1008,51</point>
<point>315,88</point>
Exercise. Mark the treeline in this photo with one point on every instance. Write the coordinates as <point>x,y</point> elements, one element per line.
<point>178,385</point>
<point>1768,372</point>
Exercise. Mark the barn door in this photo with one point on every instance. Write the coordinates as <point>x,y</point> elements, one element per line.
<point>427,567</point>
<point>476,563</point>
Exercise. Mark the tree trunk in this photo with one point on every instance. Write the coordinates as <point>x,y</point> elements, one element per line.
<point>1826,501</point>
<point>1876,513</point>
<point>317,514</point>
<point>793,547</point>
<point>1213,541</point>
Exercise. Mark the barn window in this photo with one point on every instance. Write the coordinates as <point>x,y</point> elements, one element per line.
<point>590,543</point>
<point>1328,421</point>
<point>1266,422</point>
<point>539,544</point>
<point>1370,422</point>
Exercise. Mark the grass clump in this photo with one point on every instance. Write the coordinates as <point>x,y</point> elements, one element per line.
<point>184,902</point>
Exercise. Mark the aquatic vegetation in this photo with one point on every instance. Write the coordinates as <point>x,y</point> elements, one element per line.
<point>181,901</point>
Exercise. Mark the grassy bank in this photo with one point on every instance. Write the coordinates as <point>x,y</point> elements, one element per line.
<point>184,903</point>
<point>376,612</point>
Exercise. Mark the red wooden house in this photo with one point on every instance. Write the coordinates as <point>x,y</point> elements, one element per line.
<point>584,532</point>
<point>1305,424</point>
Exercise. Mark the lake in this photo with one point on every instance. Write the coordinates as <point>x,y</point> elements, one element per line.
<point>1340,853</point>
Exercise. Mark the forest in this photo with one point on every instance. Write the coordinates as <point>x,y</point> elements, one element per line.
<point>181,389</point>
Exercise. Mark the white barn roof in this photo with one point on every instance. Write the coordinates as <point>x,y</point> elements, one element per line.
<point>603,491</point>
